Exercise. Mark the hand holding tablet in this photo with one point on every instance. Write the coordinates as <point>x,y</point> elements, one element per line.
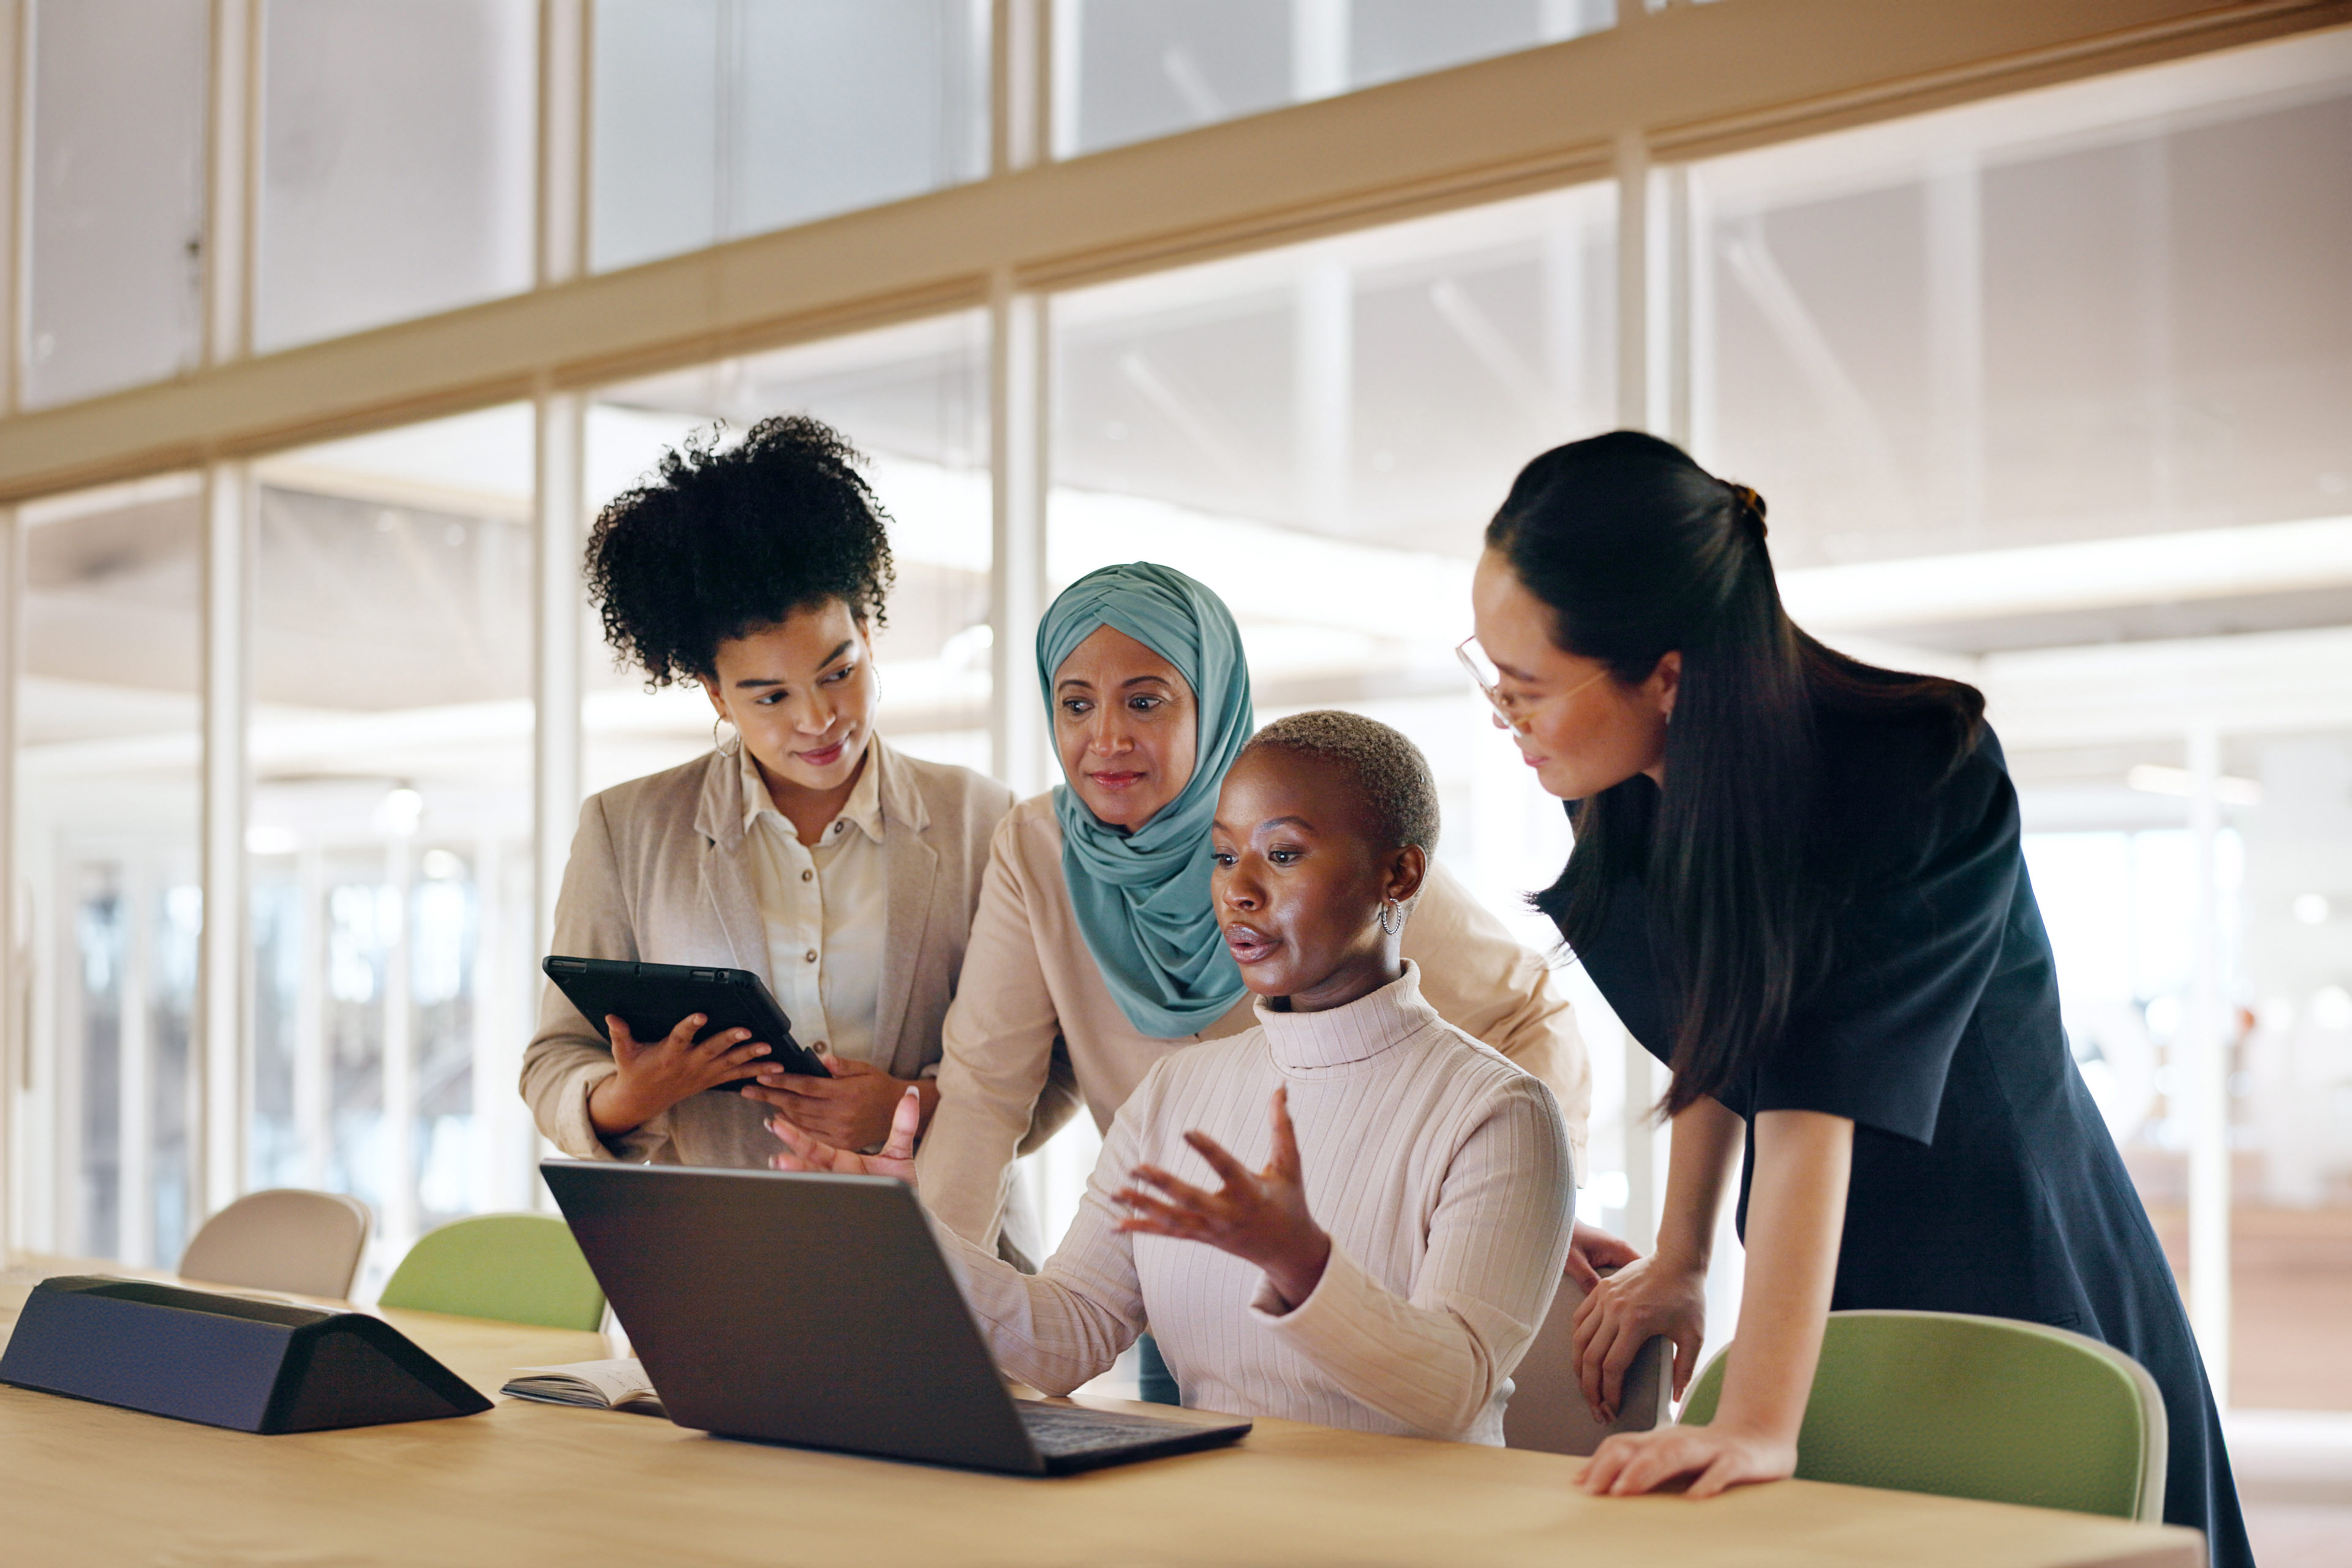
<point>676,1030</point>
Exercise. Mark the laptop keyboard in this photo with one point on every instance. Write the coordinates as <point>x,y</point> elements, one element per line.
<point>1063,1430</point>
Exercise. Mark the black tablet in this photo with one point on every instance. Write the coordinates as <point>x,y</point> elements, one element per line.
<point>652,997</point>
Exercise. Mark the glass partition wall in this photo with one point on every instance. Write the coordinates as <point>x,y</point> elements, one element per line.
<point>108,707</point>
<point>389,836</point>
<point>2051,392</point>
<point>2056,393</point>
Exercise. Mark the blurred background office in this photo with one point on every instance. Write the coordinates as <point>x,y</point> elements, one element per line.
<point>332,323</point>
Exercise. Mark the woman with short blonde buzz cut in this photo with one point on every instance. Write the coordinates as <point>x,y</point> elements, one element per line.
<point>1349,1212</point>
<point>1094,954</point>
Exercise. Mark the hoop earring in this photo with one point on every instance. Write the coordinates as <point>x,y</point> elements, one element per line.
<point>717,743</point>
<point>1391,907</point>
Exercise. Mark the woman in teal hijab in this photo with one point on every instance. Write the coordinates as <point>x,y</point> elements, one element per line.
<point>1093,952</point>
<point>1142,894</point>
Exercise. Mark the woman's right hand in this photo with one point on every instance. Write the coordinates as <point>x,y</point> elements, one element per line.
<point>807,1152</point>
<point>1651,1296</point>
<point>654,1077</point>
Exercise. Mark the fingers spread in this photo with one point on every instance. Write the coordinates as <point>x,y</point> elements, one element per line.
<point>1235,1173</point>
<point>1285,1136</point>
<point>1160,1219</point>
<point>1183,1192</point>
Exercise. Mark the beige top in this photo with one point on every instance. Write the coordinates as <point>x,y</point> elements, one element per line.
<point>1440,1170</point>
<point>823,906</point>
<point>1033,1014</point>
<point>659,873</point>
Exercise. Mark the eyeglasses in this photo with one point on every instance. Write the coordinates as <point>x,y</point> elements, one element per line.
<point>1511,713</point>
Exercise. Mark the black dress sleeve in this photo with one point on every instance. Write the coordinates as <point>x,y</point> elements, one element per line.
<point>1911,949</point>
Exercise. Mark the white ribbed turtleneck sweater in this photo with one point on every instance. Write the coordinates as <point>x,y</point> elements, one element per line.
<point>1440,1170</point>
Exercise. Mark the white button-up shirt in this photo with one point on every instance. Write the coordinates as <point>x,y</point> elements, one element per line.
<point>823,906</point>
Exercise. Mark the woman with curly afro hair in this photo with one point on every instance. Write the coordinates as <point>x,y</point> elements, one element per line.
<point>803,848</point>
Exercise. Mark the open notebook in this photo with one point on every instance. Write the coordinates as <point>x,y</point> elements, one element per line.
<point>598,1384</point>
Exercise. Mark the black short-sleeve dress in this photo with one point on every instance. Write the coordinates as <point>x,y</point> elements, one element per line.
<point>1984,1178</point>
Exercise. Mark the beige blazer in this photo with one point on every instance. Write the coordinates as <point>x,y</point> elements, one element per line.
<point>1034,1014</point>
<point>658,874</point>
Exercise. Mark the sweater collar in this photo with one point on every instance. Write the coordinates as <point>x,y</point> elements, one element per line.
<point>1357,1032</point>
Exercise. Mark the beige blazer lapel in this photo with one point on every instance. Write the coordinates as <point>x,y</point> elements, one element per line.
<point>910,867</point>
<point>725,883</point>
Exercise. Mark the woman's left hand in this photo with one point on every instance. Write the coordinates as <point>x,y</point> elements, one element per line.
<point>1633,1462</point>
<point>851,1110</point>
<point>1258,1217</point>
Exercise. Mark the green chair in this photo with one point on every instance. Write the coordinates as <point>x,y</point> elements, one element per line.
<point>1976,1408</point>
<point>515,1268</point>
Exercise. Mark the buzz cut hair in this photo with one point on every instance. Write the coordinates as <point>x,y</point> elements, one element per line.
<point>1388,770</point>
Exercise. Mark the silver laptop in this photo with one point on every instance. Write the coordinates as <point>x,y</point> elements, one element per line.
<point>816,1310</point>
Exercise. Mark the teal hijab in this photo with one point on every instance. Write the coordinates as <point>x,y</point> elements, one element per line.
<point>1142,898</point>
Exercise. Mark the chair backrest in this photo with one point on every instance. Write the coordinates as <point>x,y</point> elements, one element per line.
<point>1976,1408</point>
<point>515,1268</point>
<point>1548,1411</point>
<point>303,1243</point>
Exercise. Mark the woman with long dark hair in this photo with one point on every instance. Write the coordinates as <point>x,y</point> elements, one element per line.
<point>1799,880</point>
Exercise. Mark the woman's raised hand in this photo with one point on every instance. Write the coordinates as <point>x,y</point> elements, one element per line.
<point>804,1151</point>
<point>1258,1217</point>
<point>657,1075</point>
<point>1647,1297</point>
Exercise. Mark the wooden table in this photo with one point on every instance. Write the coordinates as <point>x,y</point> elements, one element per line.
<point>529,1484</point>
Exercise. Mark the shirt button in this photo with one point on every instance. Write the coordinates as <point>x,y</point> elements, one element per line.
<point>808,876</point>
<point>812,956</point>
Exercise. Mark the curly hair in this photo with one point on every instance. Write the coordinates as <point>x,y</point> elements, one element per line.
<point>723,541</point>
<point>1388,771</point>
